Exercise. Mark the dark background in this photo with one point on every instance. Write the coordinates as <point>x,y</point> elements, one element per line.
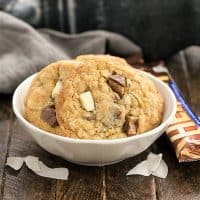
<point>161,28</point>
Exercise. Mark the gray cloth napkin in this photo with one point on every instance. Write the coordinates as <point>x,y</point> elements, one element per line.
<point>24,50</point>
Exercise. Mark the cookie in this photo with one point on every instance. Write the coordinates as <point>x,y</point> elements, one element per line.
<point>105,98</point>
<point>39,104</point>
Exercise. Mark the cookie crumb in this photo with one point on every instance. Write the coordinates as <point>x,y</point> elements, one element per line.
<point>117,83</point>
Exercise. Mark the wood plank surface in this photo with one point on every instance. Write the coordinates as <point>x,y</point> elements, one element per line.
<point>83,183</point>
<point>6,116</point>
<point>120,186</point>
<point>109,182</point>
<point>183,180</point>
<point>192,58</point>
<point>178,69</point>
<point>24,184</point>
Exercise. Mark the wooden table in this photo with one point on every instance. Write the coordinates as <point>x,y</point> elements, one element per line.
<point>110,182</point>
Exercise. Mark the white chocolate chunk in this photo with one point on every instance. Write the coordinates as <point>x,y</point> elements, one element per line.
<point>87,101</point>
<point>56,89</point>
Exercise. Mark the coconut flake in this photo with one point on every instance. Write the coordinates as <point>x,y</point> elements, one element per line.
<point>152,165</point>
<point>162,170</point>
<point>55,173</point>
<point>15,162</point>
<point>141,169</point>
<point>38,167</point>
<point>154,161</point>
<point>32,163</point>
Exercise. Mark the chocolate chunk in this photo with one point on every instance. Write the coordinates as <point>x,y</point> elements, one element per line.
<point>118,79</point>
<point>117,83</point>
<point>116,96</point>
<point>130,126</point>
<point>48,115</point>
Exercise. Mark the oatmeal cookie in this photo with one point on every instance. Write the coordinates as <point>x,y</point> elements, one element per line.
<point>39,104</point>
<point>105,98</point>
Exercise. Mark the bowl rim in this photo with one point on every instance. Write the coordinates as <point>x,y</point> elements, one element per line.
<point>88,141</point>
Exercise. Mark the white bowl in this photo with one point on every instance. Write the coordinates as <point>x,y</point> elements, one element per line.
<point>95,152</point>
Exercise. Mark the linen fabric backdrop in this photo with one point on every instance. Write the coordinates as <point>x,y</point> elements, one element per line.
<point>160,28</point>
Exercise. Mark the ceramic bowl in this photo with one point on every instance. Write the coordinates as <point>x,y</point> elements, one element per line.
<point>95,152</point>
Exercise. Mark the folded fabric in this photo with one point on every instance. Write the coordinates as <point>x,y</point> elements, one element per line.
<point>24,50</point>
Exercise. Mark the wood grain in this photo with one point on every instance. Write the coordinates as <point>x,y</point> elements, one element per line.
<point>25,184</point>
<point>187,76</point>
<point>5,126</point>
<point>192,60</point>
<point>83,183</point>
<point>178,69</point>
<point>183,180</point>
<point>120,186</point>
